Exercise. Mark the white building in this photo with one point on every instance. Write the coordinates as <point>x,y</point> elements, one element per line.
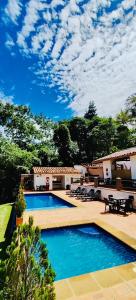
<point>114,164</point>
<point>82,169</point>
<point>51,178</point>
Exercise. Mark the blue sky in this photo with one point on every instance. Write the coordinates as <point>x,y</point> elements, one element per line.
<point>57,55</point>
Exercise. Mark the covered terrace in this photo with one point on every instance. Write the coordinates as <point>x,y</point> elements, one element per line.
<point>120,164</point>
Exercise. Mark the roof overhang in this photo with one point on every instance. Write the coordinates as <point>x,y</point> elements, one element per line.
<point>123,154</point>
<point>56,171</point>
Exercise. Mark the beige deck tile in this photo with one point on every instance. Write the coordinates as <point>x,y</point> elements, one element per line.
<point>107,294</point>
<point>125,290</point>
<point>118,292</point>
<point>93,296</point>
<point>107,277</point>
<point>127,272</point>
<point>83,284</point>
<point>133,283</point>
<point>63,291</point>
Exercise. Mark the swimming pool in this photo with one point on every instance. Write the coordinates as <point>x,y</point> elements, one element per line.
<point>82,249</point>
<point>45,201</point>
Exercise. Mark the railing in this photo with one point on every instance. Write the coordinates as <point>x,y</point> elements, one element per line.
<point>126,184</point>
<point>129,184</point>
<point>107,183</point>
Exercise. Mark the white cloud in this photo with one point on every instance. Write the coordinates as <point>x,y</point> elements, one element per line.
<point>87,50</point>
<point>5,98</point>
<point>9,42</point>
<point>55,3</point>
<point>128,4</point>
<point>13,9</point>
<point>31,18</point>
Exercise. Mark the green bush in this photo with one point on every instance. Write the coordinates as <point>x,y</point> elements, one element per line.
<point>26,274</point>
<point>20,204</point>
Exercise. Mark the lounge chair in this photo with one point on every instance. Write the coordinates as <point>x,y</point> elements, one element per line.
<point>94,196</point>
<point>77,192</point>
<point>89,195</point>
<point>72,191</point>
<point>97,195</point>
<point>82,194</point>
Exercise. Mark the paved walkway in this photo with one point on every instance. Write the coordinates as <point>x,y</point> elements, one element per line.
<point>117,283</point>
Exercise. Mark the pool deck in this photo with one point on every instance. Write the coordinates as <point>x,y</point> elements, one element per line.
<point>118,283</point>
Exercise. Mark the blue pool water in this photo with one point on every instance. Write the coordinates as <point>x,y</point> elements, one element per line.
<point>45,201</point>
<point>82,249</point>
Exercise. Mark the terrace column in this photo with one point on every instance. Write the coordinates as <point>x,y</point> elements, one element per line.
<point>107,169</point>
<point>81,181</point>
<point>96,182</point>
<point>118,184</point>
<point>133,166</point>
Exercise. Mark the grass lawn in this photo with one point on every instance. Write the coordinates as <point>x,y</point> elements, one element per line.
<point>5,211</point>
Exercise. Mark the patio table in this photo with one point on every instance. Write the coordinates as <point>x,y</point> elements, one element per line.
<point>117,201</point>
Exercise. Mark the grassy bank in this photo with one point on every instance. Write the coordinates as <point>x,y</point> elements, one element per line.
<point>5,212</point>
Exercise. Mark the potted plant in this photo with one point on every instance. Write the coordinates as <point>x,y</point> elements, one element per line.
<point>20,206</point>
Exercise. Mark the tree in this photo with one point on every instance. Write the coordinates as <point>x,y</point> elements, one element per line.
<point>20,204</point>
<point>131,107</point>
<point>26,274</point>
<point>103,137</point>
<point>47,155</point>
<point>19,124</point>
<point>12,157</point>
<point>91,112</point>
<point>24,128</point>
<point>13,162</point>
<point>78,132</point>
<point>122,137</point>
<point>63,142</point>
<point>122,117</point>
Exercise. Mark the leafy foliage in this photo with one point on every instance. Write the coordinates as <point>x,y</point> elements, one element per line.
<point>12,156</point>
<point>91,112</point>
<point>20,204</point>
<point>63,142</point>
<point>26,274</point>
<point>131,107</point>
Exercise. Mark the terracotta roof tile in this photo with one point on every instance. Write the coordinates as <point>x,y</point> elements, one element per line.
<point>55,170</point>
<point>118,154</point>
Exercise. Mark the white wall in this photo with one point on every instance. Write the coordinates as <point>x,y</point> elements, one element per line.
<point>124,194</point>
<point>41,180</point>
<point>107,169</point>
<point>68,178</point>
<point>107,191</point>
<point>133,166</point>
<point>63,180</point>
<point>81,169</point>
